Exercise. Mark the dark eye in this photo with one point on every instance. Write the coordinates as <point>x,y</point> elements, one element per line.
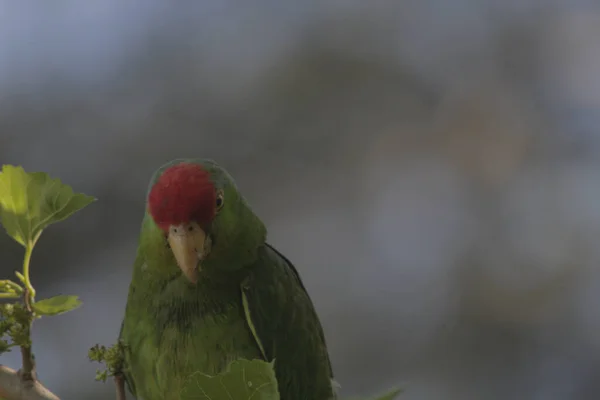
<point>219,201</point>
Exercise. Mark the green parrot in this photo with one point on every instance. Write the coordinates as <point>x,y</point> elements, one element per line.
<point>208,289</point>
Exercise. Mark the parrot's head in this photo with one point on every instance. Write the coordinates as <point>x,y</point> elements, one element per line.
<point>196,206</point>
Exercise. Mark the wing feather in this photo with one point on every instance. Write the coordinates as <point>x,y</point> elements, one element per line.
<point>284,322</point>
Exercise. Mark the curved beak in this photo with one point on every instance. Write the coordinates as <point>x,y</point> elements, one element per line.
<point>187,242</point>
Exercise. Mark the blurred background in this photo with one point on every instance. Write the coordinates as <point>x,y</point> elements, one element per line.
<point>430,166</point>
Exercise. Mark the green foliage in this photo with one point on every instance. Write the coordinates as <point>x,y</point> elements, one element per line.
<point>29,202</point>
<point>14,326</point>
<point>10,289</point>
<point>243,380</point>
<point>113,357</point>
<point>56,305</point>
<point>391,395</point>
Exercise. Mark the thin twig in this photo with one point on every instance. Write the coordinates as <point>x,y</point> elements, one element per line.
<point>120,386</point>
<point>14,387</point>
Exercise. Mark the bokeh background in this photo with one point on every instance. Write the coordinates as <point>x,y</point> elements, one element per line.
<point>432,168</point>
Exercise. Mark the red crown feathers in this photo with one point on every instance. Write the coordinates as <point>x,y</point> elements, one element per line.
<point>183,193</point>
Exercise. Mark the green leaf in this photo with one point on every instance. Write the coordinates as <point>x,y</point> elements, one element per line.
<point>56,305</point>
<point>4,346</point>
<point>243,380</point>
<point>29,202</point>
<point>391,395</point>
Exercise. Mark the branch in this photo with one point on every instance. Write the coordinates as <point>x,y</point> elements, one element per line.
<point>13,386</point>
<point>120,386</point>
<point>28,369</point>
<point>23,384</point>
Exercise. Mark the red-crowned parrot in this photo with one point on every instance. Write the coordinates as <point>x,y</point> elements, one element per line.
<point>208,289</point>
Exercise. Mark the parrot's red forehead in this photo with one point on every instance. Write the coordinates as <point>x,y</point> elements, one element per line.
<point>183,193</point>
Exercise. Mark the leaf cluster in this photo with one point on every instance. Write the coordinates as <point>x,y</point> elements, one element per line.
<point>29,203</point>
<point>14,326</point>
<point>112,357</point>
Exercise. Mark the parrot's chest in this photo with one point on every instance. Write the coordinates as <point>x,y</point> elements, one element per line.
<point>198,332</point>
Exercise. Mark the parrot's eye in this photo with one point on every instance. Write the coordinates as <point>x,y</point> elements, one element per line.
<point>219,201</point>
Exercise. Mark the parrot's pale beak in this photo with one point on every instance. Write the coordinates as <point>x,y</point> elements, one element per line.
<point>188,242</point>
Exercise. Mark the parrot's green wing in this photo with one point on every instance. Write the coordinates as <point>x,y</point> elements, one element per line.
<point>126,373</point>
<point>139,261</point>
<point>286,327</point>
